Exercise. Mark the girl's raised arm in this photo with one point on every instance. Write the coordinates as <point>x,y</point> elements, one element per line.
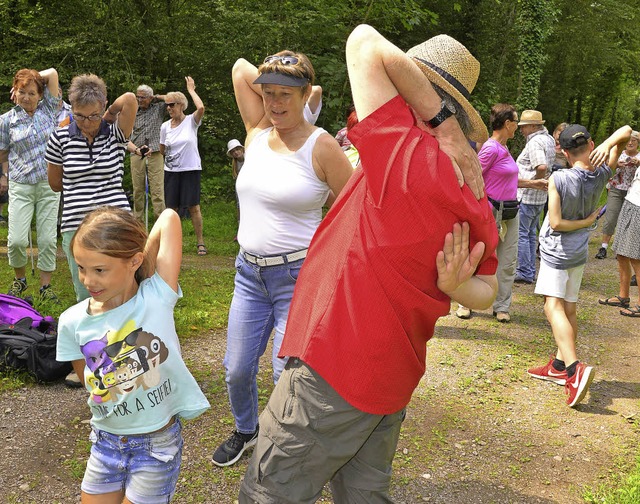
<point>164,247</point>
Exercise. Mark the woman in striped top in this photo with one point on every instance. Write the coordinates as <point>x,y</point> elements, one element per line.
<point>86,158</point>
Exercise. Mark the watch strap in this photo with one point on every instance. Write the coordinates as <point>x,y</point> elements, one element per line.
<point>442,116</point>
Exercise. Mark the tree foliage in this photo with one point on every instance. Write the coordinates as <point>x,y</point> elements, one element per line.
<point>574,60</point>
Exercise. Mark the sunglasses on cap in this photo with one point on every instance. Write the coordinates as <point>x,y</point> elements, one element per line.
<point>285,60</point>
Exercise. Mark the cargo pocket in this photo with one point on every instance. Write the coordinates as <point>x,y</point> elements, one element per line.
<point>281,459</point>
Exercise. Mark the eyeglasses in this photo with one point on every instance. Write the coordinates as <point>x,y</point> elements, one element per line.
<point>92,117</point>
<point>285,60</point>
<point>171,104</point>
<point>142,97</point>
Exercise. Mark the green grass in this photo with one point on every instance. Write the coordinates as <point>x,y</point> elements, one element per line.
<point>627,492</point>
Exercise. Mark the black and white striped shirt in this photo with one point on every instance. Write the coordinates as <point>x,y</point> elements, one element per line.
<point>91,173</point>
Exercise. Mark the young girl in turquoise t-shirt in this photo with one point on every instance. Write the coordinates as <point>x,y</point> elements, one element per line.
<point>122,341</point>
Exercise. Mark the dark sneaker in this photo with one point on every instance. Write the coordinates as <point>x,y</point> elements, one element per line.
<point>577,386</point>
<point>47,294</point>
<point>521,280</point>
<point>3,220</point>
<point>634,281</point>
<point>549,373</point>
<point>229,452</point>
<point>72,380</point>
<point>18,286</point>
<point>602,253</point>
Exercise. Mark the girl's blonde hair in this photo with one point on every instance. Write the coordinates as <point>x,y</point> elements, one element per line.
<point>115,233</point>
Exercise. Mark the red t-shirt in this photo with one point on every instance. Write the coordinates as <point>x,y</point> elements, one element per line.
<point>366,300</point>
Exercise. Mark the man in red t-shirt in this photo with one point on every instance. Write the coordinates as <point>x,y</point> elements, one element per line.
<point>404,238</point>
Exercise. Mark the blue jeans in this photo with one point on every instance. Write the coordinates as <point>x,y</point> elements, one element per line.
<point>261,300</point>
<point>528,241</point>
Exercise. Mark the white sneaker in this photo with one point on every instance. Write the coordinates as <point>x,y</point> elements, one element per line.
<point>463,312</point>
<point>73,380</point>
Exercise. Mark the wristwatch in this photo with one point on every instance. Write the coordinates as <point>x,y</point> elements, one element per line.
<point>446,111</point>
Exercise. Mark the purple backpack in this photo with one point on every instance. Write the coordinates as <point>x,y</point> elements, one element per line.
<point>14,309</point>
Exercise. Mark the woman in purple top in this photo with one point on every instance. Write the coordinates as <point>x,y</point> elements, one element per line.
<point>500,174</point>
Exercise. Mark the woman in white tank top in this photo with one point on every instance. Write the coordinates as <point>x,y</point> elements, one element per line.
<point>291,168</point>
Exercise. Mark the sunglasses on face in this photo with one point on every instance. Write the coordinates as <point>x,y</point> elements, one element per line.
<point>171,104</point>
<point>285,60</point>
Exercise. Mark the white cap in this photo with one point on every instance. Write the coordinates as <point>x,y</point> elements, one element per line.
<point>232,145</point>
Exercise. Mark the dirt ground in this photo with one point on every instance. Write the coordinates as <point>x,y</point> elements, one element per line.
<point>478,429</point>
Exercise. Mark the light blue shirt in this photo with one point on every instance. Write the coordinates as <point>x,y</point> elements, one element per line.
<point>25,137</point>
<point>134,370</point>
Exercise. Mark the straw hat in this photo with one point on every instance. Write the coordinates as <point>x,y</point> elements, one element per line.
<point>530,117</point>
<point>449,65</point>
<point>232,145</point>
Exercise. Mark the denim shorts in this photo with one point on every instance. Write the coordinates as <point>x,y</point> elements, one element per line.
<point>145,467</point>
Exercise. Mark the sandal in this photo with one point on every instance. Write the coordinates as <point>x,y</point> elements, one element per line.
<point>202,250</point>
<point>632,311</point>
<point>615,301</point>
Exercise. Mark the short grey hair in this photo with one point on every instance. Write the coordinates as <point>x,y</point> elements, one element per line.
<point>144,89</point>
<point>178,97</point>
<point>461,115</point>
<point>87,89</point>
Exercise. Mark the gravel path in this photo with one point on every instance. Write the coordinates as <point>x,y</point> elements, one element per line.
<point>478,429</point>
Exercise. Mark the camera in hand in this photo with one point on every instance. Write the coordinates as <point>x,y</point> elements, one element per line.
<point>143,150</point>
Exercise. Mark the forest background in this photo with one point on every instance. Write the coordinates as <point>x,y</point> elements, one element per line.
<point>574,60</point>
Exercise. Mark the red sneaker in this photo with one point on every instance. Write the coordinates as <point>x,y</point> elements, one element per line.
<point>577,386</point>
<point>549,373</point>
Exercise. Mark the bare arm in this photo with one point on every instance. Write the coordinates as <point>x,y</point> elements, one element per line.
<point>541,184</point>
<point>191,87</point>
<point>248,96</point>
<point>54,175</point>
<point>50,76</point>
<point>330,164</point>
<point>456,267</point>
<point>4,156</point>
<point>609,151</point>
<point>556,221</point>
<point>379,71</point>
<point>124,108</point>
<point>314,98</point>
<point>4,178</point>
<point>164,247</point>
<point>541,171</point>
<point>78,367</point>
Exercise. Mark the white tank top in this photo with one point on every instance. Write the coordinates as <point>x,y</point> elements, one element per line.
<point>281,197</point>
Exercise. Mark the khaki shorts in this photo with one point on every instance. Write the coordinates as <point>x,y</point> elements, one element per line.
<point>309,436</point>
